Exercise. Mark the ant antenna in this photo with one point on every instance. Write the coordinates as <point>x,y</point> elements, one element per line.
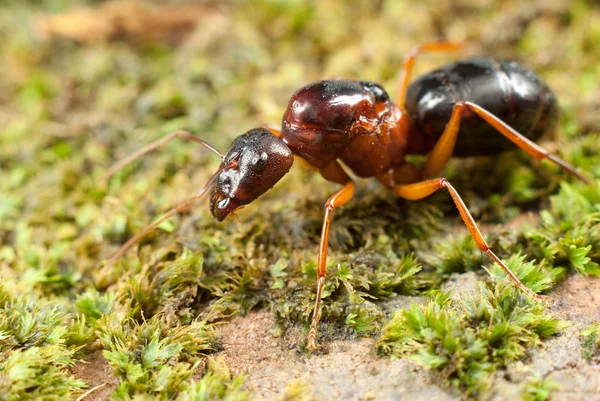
<point>150,147</point>
<point>181,206</point>
<point>178,208</point>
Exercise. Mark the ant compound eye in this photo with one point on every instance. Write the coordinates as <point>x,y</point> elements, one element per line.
<point>225,184</point>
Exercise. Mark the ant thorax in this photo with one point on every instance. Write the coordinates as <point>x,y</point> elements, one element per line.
<point>354,121</point>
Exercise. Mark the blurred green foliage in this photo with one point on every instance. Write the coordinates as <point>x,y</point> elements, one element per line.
<point>69,110</point>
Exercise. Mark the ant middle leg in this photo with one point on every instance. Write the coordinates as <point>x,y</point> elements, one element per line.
<point>335,173</point>
<point>444,148</point>
<point>409,61</point>
<point>423,189</point>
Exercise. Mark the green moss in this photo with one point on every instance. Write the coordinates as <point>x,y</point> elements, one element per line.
<point>94,305</point>
<point>591,342</point>
<point>36,349</point>
<point>153,358</point>
<point>538,277</point>
<point>218,384</point>
<point>466,339</point>
<point>568,236</point>
<point>351,288</point>
<point>539,389</point>
<point>38,373</point>
<point>69,110</point>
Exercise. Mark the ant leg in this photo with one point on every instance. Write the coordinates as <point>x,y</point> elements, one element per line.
<point>335,173</point>
<point>423,189</point>
<point>273,130</point>
<point>150,147</point>
<point>404,174</point>
<point>181,206</point>
<point>277,133</point>
<point>409,61</point>
<point>443,149</point>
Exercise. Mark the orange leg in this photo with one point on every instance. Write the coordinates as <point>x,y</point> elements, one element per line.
<point>181,206</point>
<point>409,61</point>
<point>423,189</point>
<point>273,130</point>
<point>277,133</point>
<point>335,173</point>
<point>150,147</point>
<point>404,174</point>
<point>444,148</point>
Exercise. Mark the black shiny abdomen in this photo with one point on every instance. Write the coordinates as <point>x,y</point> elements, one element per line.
<point>508,90</point>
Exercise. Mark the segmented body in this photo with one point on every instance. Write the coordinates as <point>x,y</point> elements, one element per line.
<point>356,122</point>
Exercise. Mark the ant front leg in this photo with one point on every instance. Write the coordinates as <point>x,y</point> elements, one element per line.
<point>444,148</point>
<point>277,133</point>
<point>272,130</point>
<point>409,61</point>
<point>335,173</point>
<point>423,189</point>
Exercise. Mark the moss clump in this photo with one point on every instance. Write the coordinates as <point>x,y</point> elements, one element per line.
<point>36,350</point>
<point>591,342</point>
<point>570,231</point>
<point>565,240</point>
<point>217,384</point>
<point>153,358</point>
<point>539,389</point>
<point>38,373</point>
<point>466,339</point>
<point>352,287</point>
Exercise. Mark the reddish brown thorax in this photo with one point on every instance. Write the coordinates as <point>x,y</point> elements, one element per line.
<point>354,121</point>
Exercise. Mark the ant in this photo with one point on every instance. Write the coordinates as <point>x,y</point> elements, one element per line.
<point>356,122</point>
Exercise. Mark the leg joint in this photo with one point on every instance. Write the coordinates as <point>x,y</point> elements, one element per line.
<point>461,104</point>
<point>483,247</point>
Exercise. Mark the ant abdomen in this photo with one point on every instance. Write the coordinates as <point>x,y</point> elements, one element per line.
<point>506,89</point>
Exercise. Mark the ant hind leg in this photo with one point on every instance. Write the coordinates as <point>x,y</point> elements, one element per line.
<point>423,189</point>
<point>444,148</point>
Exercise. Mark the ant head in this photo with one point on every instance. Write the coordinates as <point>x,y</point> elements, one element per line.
<point>256,161</point>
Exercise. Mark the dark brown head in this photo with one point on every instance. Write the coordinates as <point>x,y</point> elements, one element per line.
<point>256,161</point>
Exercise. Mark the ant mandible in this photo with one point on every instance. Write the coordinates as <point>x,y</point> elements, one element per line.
<point>356,122</point>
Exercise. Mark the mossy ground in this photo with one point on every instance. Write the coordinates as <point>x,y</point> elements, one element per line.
<point>69,109</point>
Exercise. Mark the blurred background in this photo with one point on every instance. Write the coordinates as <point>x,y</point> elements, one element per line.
<point>92,81</point>
<point>85,83</point>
